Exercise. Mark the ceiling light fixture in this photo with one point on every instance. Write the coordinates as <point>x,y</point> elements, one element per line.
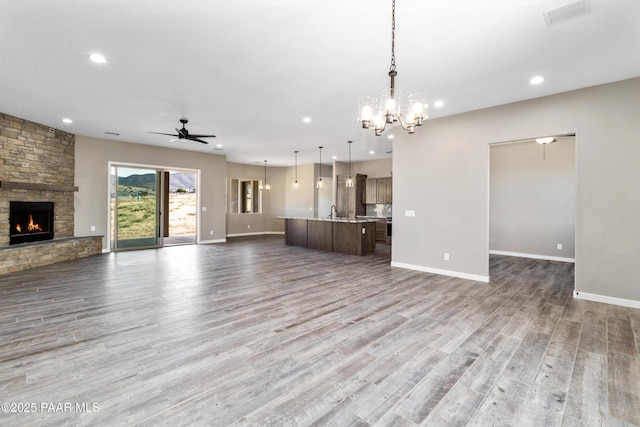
<point>390,110</point>
<point>67,120</point>
<point>536,80</point>
<point>349,182</point>
<point>544,141</point>
<point>319,183</point>
<point>307,119</point>
<point>438,104</point>
<point>265,186</point>
<point>296,185</point>
<point>98,58</point>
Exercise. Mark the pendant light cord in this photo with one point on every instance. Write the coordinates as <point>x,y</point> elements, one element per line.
<point>393,36</point>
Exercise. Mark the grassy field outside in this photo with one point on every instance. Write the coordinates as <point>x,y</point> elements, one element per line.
<point>136,215</point>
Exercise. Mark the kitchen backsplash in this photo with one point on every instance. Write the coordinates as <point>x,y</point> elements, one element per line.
<point>379,210</point>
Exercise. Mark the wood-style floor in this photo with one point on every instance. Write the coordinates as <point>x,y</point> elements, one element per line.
<point>253,332</point>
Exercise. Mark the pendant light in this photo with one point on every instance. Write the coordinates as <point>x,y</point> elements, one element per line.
<point>319,183</point>
<point>350,182</point>
<point>265,186</point>
<point>296,185</point>
<point>390,110</point>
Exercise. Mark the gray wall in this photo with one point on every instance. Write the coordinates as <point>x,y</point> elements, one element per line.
<point>380,168</point>
<point>273,201</point>
<point>442,172</point>
<point>91,175</point>
<point>302,202</point>
<point>532,198</point>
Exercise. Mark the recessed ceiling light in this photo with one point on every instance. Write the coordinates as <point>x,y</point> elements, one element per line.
<point>307,119</point>
<point>438,104</point>
<point>334,157</point>
<point>98,58</point>
<point>219,145</point>
<point>372,152</point>
<point>536,80</point>
<point>67,120</point>
<point>390,136</point>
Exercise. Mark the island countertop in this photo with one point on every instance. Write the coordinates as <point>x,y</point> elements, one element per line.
<point>338,219</point>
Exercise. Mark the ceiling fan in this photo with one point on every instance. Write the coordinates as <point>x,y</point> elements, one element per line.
<point>183,134</point>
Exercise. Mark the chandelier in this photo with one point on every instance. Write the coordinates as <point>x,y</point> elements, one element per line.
<point>391,108</point>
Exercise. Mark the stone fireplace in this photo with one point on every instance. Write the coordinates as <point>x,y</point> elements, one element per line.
<point>38,170</point>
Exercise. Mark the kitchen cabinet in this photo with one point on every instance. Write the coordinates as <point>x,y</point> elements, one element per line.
<point>378,191</point>
<point>371,191</point>
<point>347,236</point>
<point>381,230</point>
<point>349,199</point>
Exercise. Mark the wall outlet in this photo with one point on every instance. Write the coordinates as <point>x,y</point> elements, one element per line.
<point>93,228</point>
<point>410,213</point>
<point>559,246</point>
<point>204,209</point>
<point>211,232</point>
<point>446,256</point>
<point>248,226</point>
<point>364,230</point>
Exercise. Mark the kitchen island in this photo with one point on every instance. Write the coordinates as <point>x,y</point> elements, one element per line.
<point>344,235</point>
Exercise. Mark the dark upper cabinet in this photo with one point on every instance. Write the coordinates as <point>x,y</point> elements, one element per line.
<point>378,190</point>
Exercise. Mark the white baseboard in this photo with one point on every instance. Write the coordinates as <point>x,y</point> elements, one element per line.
<point>206,242</point>
<point>607,300</point>
<point>259,233</point>
<point>533,256</point>
<point>458,274</point>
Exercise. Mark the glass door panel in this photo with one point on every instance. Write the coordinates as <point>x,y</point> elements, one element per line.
<point>135,208</point>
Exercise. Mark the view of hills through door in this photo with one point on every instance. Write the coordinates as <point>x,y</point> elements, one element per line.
<point>180,199</point>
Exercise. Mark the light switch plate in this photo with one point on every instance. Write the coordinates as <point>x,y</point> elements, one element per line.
<point>410,213</point>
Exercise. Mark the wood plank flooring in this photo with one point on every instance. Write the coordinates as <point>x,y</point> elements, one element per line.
<point>257,333</point>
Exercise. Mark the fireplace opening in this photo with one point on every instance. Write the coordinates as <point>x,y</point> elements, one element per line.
<point>30,222</point>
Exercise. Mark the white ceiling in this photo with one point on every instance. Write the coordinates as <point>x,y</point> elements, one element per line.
<point>248,71</point>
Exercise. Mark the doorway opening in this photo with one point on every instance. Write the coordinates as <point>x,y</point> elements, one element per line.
<point>180,221</point>
<point>152,206</point>
<point>532,199</point>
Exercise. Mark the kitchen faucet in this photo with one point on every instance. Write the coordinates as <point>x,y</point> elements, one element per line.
<point>332,208</point>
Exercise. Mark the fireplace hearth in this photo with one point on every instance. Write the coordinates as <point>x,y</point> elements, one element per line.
<point>30,222</point>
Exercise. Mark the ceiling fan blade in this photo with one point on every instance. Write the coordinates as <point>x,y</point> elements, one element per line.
<point>195,135</point>
<point>191,138</point>
<point>168,134</point>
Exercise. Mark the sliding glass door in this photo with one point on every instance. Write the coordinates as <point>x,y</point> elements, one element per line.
<point>135,208</point>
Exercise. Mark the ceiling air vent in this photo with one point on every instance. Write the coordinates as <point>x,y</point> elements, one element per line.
<point>567,12</point>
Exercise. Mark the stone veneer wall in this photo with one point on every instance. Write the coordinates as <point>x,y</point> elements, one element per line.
<point>34,154</point>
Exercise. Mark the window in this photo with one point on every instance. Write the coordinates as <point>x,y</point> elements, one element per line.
<point>245,196</point>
